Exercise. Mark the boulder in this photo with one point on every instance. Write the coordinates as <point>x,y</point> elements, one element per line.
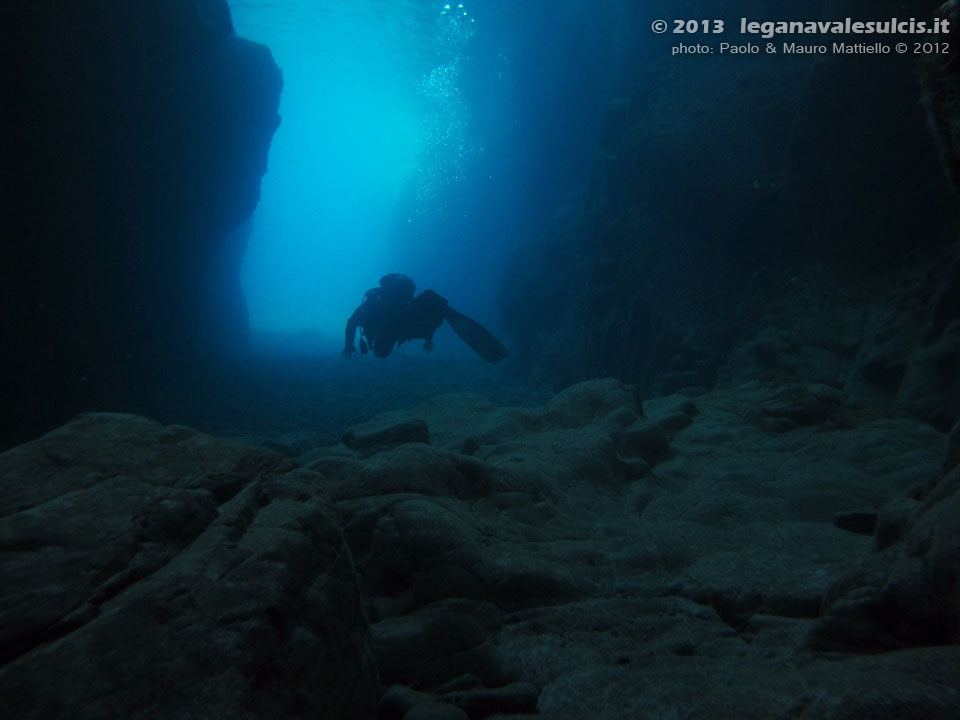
<point>381,434</point>
<point>156,572</point>
<point>907,594</point>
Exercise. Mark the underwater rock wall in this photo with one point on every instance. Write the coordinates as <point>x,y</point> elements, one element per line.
<point>738,198</point>
<point>135,137</point>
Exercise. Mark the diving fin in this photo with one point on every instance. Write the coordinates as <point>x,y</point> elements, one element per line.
<point>476,336</point>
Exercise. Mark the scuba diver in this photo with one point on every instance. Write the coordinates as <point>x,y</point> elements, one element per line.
<point>390,315</point>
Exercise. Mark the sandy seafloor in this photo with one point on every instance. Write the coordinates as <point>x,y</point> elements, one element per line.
<point>298,394</point>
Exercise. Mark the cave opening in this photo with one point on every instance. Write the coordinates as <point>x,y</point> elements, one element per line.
<point>374,125</point>
<point>426,138</point>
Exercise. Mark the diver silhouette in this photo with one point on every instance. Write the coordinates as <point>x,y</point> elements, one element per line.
<point>390,315</point>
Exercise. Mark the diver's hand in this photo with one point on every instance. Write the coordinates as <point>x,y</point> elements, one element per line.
<point>427,345</point>
<point>348,352</point>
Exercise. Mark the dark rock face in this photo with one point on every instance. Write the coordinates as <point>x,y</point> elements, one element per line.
<point>940,81</point>
<point>155,572</point>
<point>134,139</point>
<point>781,216</point>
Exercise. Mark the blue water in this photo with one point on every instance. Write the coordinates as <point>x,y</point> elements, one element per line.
<point>420,137</point>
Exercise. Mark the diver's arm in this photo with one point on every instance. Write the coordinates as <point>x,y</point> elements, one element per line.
<point>352,323</point>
